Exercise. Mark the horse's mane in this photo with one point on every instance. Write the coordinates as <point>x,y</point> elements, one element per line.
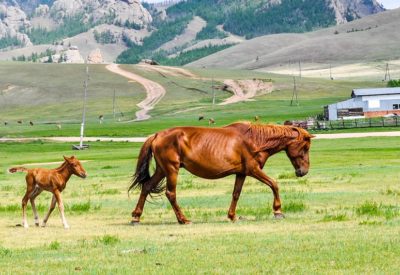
<point>62,166</point>
<point>268,136</point>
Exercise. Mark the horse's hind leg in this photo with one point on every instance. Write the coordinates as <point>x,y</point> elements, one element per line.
<point>259,174</point>
<point>25,199</point>
<point>52,206</point>
<point>171,195</point>
<point>235,196</point>
<point>32,198</point>
<point>146,189</point>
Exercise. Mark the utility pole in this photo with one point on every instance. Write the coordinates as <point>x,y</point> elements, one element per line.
<point>387,72</point>
<point>299,68</point>
<point>213,90</point>
<point>82,146</point>
<point>294,95</point>
<point>114,105</point>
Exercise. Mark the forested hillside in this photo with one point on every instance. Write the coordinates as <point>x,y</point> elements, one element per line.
<point>255,18</point>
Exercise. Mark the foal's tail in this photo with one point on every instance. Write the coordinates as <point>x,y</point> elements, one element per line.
<point>17,169</point>
<point>142,174</point>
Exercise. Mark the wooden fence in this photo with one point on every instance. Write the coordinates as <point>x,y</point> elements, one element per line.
<point>354,123</point>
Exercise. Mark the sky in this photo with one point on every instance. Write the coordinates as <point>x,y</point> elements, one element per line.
<point>388,4</point>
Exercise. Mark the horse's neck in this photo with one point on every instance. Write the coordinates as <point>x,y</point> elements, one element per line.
<point>64,171</point>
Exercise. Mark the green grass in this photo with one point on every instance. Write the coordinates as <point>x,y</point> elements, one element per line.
<point>343,219</point>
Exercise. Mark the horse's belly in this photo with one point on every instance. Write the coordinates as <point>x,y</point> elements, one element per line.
<point>210,170</point>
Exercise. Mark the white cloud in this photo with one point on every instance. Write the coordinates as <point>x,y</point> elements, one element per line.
<point>390,4</point>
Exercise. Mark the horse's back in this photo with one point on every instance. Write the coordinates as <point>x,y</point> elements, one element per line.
<point>206,152</point>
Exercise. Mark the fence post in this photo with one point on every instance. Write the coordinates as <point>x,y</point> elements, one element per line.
<point>396,120</point>
<point>355,122</point>
<point>383,122</point>
<point>370,124</point>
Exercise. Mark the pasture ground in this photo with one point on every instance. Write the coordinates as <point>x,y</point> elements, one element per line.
<point>47,99</point>
<point>343,217</point>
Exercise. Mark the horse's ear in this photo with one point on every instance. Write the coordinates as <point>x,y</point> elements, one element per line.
<point>312,136</point>
<point>295,132</point>
<point>66,158</point>
<point>72,157</point>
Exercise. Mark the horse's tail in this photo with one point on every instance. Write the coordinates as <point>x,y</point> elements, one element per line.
<point>17,169</point>
<point>142,174</point>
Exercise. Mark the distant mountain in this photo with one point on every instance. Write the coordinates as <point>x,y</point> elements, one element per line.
<point>191,27</point>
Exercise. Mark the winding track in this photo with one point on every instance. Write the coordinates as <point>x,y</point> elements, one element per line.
<point>155,92</point>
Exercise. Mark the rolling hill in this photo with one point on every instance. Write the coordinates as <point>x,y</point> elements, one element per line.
<point>373,38</point>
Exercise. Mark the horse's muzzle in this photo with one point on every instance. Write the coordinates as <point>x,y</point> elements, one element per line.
<point>301,173</point>
<point>83,176</point>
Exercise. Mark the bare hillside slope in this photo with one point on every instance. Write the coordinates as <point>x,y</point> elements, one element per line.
<point>372,38</point>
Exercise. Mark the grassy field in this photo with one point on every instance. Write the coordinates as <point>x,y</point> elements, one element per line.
<point>344,217</point>
<point>47,99</point>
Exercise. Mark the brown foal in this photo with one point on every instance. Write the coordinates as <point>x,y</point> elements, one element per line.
<point>52,180</point>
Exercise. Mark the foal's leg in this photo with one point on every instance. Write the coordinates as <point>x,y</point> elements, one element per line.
<point>57,194</point>
<point>261,176</point>
<point>171,194</point>
<point>25,199</point>
<point>153,181</point>
<point>52,206</point>
<point>235,197</point>
<point>34,194</point>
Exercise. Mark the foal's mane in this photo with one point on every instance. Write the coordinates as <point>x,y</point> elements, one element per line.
<point>269,136</point>
<point>62,166</point>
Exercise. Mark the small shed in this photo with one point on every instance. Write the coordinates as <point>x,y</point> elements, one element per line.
<point>373,102</point>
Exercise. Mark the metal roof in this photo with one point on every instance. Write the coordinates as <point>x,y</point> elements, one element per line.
<point>375,91</point>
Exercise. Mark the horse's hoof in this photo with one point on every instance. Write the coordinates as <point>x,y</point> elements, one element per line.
<point>37,224</point>
<point>279,216</point>
<point>185,222</point>
<point>134,223</point>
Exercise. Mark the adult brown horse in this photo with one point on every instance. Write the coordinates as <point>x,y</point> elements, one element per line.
<point>240,148</point>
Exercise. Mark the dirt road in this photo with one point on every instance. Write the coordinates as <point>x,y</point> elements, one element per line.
<point>245,90</point>
<point>155,92</point>
<point>142,139</point>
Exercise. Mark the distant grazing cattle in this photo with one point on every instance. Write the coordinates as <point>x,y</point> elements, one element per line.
<point>19,121</point>
<point>5,123</point>
<point>31,123</point>
<point>211,121</point>
<point>58,126</point>
<point>256,118</point>
<point>101,119</point>
<point>201,118</point>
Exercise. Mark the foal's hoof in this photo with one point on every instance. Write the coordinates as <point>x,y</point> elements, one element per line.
<point>279,216</point>
<point>134,222</point>
<point>185,222</point>
<point>37,224</point>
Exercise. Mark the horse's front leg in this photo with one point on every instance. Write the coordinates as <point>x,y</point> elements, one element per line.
<point>171,195</point>
<point>60,203</point>
<point>261,176</point>
<point>235,196</point>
